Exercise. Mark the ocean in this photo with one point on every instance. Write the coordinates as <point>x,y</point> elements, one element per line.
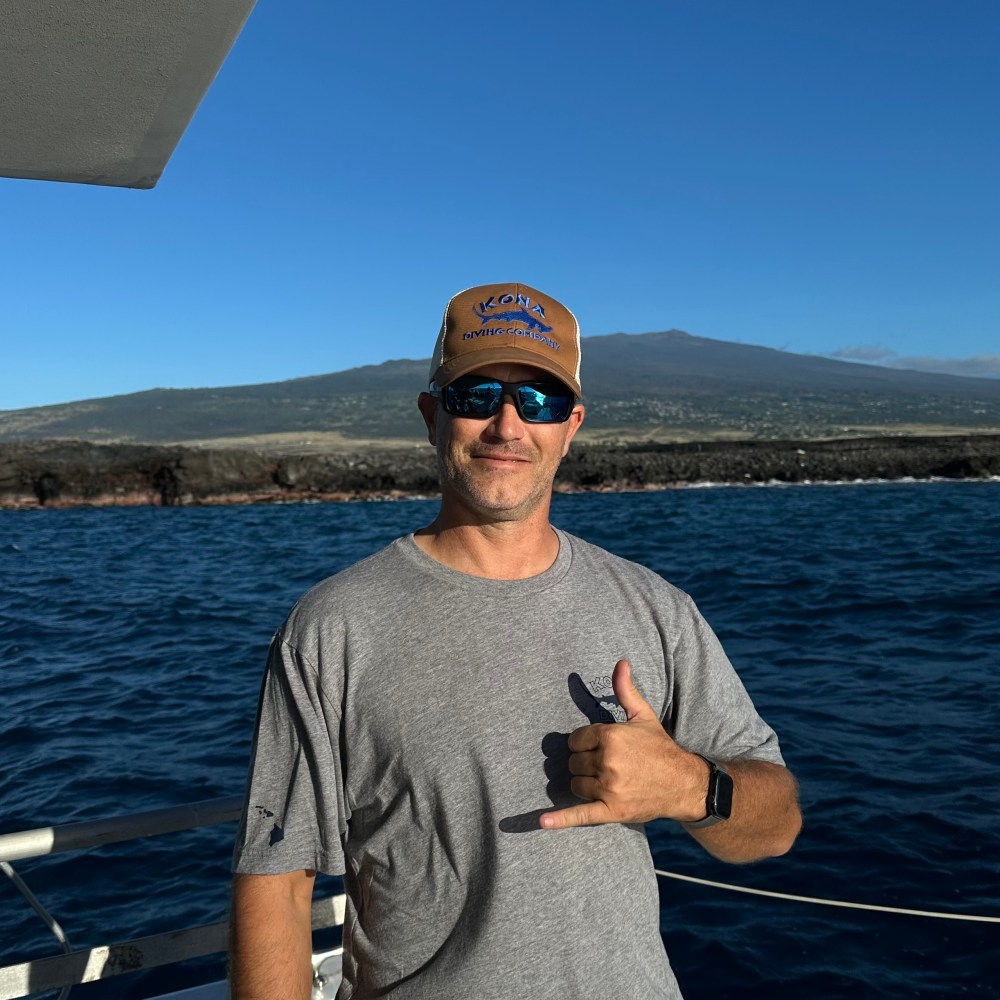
<point>863,619</point>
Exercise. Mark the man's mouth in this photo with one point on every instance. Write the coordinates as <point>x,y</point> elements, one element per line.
<point>501,456</point>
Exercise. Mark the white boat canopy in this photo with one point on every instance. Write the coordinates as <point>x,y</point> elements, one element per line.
<point>100,91</point>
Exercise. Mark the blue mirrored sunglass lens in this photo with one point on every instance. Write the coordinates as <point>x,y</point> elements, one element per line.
<point>542,407</point>
<point>480,400</point>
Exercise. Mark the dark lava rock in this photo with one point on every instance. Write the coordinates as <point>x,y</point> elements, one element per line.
<point>65,473</point>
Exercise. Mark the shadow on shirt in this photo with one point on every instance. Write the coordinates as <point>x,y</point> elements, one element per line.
<point>555,754</point>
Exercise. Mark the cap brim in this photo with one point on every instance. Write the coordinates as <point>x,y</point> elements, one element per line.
<point>473,360</point>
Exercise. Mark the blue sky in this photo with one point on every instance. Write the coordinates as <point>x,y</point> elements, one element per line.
<point>816,177</point>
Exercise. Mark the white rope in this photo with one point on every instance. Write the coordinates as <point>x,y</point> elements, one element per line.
<point>830,902</point>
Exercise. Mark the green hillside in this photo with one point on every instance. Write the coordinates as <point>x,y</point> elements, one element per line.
<point>657,385</point>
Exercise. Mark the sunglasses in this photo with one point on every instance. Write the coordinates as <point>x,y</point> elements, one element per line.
<point>478,397</point>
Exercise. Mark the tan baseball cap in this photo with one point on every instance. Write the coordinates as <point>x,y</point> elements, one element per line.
<point>507,322</point>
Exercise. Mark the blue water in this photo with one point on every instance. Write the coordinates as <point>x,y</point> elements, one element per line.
<point>865,621</point>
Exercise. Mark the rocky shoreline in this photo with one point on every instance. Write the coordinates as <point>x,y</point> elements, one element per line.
<point>57,474</point>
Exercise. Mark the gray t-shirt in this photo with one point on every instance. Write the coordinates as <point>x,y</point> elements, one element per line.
<point>412,728</point>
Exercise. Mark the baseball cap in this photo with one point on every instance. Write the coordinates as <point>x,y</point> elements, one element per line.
<point>507,322</point>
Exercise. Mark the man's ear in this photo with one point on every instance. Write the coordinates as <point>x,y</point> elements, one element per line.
<point>572,426</point>
<point>428,406</point>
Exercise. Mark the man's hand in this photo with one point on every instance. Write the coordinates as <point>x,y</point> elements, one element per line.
<point>630,772</point>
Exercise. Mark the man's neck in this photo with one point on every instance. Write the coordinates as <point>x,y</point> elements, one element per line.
<point>503,550</point>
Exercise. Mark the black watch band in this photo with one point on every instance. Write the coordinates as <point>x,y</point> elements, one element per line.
<point>719,800</point>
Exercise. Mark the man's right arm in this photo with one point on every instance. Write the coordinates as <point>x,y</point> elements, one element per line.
<point>270,937</point>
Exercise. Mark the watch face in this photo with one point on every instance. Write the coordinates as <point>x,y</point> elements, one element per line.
<point>722,806</point>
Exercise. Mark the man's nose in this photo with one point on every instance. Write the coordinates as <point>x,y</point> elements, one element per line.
<point>506,423</point>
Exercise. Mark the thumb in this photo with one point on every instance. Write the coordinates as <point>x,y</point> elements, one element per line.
<point>629,697</point>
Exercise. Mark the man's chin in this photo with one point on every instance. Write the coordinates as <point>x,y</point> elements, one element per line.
<point>497,504</point>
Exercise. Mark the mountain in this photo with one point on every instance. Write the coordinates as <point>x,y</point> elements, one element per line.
<point>669,385</point>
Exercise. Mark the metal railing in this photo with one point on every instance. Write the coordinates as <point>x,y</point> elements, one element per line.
<point>96,833</point>
<point>90,964</point>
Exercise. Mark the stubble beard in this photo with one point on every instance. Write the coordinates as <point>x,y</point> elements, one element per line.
<point>494,496</point>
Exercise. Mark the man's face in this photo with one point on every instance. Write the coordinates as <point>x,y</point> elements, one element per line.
<point>499,468</point>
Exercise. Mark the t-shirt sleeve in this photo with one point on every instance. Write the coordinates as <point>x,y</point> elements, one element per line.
<point>710,711</point>
<point>294,814</point>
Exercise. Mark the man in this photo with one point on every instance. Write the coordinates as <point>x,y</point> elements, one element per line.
<point>474,723</point>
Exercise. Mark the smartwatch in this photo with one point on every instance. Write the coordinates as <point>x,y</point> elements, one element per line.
<point>719,801</point>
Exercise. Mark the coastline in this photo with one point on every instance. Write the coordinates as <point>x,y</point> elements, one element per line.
<point>60,474</point>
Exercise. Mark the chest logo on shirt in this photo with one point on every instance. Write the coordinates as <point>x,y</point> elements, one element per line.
<point>595,697</point>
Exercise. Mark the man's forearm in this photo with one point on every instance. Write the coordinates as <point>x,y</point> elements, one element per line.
<point>765,819</point>
<point>270,939</point>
